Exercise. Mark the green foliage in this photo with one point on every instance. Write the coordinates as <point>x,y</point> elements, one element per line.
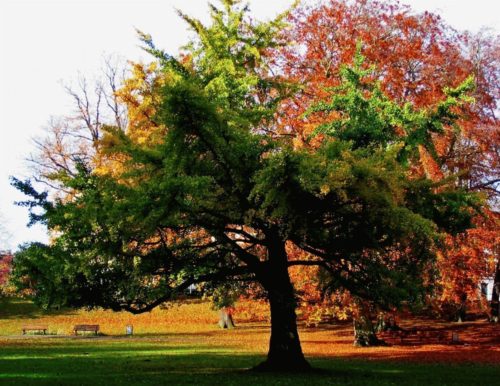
<point>369,118</point>
<point>217,200</point>
<point>225,295</point>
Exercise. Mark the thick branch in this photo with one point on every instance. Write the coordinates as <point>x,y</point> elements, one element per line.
<point>220,275</point>
<point>316,263</point>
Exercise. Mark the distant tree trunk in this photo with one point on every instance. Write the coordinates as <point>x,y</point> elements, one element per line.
<point>386,323</point>
<point>364,333</point>
<point>285,351</point>
<point>495,302</point>
<point>462,309</point>
<point>226,318</point>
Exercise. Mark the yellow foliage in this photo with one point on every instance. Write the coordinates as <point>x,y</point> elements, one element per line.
<point>140,95</point>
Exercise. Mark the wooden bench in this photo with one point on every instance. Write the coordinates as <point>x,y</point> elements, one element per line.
<point>410,336</point>
<point>414,336</point>
<point>35,328</point>
<point>399,334</point>
<point>86,327</point>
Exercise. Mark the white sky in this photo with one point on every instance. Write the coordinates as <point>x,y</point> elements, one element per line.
<point>44,42</point>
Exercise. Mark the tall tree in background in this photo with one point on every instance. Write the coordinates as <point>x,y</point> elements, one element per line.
<point>416,57</point>
<point>217,195</point>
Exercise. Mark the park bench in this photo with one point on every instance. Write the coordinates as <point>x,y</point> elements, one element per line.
<point>86,327</point>
<point>414,336</point>
<point>35,328</point>
<point>405,335</point>
<point>436,336</point>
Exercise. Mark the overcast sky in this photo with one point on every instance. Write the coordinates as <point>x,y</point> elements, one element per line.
<point>45,42</point>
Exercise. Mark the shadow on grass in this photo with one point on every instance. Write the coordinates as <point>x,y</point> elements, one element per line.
<point>17,308</point>
<point>131,363</point>
<point>173,334</point>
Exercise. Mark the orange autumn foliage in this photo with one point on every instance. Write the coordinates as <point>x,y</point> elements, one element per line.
<point>5,268</point>
<point>469,258</point>
<point>415,57</point>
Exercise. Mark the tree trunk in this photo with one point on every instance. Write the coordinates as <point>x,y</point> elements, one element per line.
<point>285,351</point>
<point>386,323</point>
<point>364,333</point>
<point>226,318</point>
<point>495,301</point>
<point>461,314</point>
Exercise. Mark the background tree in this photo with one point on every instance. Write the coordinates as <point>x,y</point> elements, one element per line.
<point>5,256</point>
<point>416,57</point>
<point>5,269</point>
<point>495,296</point>
<point>468,259</point>
<point>220,195</point>
<point>74,139</point>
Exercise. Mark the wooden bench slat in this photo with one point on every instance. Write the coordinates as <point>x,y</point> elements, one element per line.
<point>86,327</point>
<point>35,328</point>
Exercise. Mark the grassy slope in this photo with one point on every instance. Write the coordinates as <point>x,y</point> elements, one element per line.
<point>182,345</point>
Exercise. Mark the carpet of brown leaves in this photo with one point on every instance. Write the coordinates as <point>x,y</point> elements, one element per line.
<point>196,324</point>
<point>479,342</point>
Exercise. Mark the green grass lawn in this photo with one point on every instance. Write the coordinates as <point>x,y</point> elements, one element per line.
<point>156,361</point>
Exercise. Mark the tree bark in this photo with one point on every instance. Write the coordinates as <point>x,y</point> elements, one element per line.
<point>461,313</point>
<point>285,351</point>
<point>495,301</point>
<point>386,323</point>
<point>226,318</point>
<point>364,333</point>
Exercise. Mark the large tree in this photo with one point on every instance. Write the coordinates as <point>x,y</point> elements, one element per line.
<point>218,195</point>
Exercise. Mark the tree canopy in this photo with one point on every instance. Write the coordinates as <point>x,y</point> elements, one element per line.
<point>217,192</point>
